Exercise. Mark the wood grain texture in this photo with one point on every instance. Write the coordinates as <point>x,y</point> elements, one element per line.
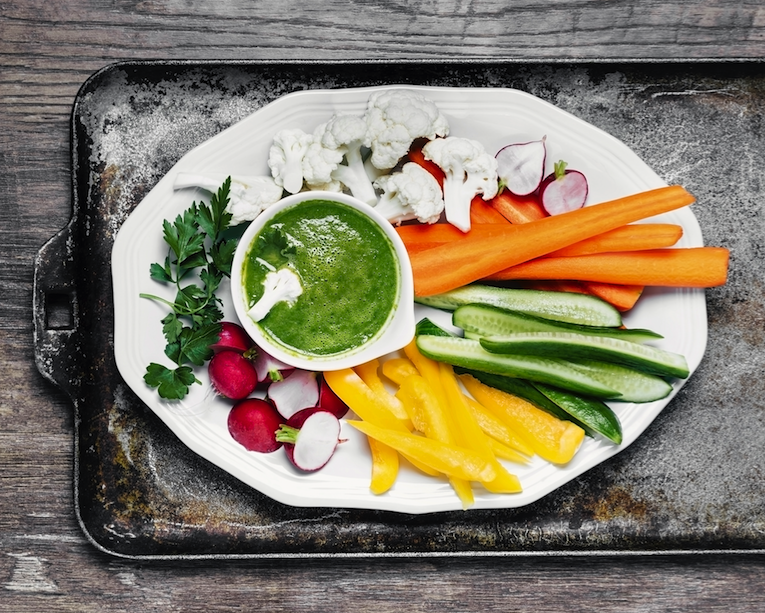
<point>47,50</point>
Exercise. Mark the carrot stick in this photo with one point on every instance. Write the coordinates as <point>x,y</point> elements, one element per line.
<point>623,297</point>
<point>687,267</point>
<point>518,209</point>
<point>418,157</point>
<point>632,237</point>
<point>476,257</point>
<point>482,211</point>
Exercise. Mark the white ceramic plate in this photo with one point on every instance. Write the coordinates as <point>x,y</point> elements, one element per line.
<point>495,117</point>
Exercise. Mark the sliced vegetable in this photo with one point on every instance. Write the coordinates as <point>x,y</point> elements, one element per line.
<point>575,346</point>
<point>634,385</point>
<point>310,438</point>
<point>623,297</point>
<point>465,261</point>
<point>482,212</point>
<point>597,415</point>
<point>479,320</point>
<point>521,166</point>
<point>329,401</point>
<point>563,190</point>
<point>518,209</point>
<point>632,237</point>
<point>468,353</point>
<point>552,439</point>
<point>385,466</point>
<point>270,369</point>
<point>294,393</point>
<point>561,306</point>
<point>369,375</point>
<point>447,459</point>
<point>681,267</point>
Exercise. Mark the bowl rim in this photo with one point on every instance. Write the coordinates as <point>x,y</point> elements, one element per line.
<point>398,330</point>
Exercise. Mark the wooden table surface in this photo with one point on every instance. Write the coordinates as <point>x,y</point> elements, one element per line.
<point>47,50</point>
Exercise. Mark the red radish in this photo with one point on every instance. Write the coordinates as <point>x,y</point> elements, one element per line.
<point>521,166</point>
<point>563,190</point>
<point>232,375</point>
<point>329,401</point>
<point>253,423</point>
<point>270,369</point>
<point>298,391</point>
<point>310,438</point>
<point>232,337</point>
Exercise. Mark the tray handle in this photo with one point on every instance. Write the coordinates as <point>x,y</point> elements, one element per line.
<point>56,312</point>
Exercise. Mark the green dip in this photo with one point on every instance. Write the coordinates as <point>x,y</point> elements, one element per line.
<point>348,269</point>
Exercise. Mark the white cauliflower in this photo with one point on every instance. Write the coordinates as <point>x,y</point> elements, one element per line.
<point>412,193</point>
<point>395,118</point>
<point>285,158</point>
<point>248,196</point>
<point>470,170</point>
<point>282,285</point>
<point>346,133</point>
<point>320,161</point>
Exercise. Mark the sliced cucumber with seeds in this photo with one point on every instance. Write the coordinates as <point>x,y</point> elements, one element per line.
<point>479,320</point>
<point>561,306</point>
<point>468,353</point>
<point>581,346</point>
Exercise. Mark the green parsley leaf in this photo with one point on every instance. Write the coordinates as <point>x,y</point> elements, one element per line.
<point>170,384</point>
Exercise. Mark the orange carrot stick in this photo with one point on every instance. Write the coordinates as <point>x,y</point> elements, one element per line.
<point>687,267</point>
<point>518,209</point>
<point>623,297</point>
<point>632,237</point>
<point>474,257</point>
<point>481,211</point>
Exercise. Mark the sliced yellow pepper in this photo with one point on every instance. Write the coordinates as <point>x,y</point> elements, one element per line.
<point>398,369</point>
<point>551,438</point>
<point>369,375</point>
<point>384,466</point>
<point>469,434</point>
<point>449,459</point>
<point>497,429</point>
<point>362,400</point>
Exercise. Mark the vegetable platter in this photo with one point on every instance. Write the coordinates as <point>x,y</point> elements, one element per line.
<point>494,117</point>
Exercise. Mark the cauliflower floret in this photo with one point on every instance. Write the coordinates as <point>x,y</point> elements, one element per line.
<point>248,196</point>
<point>412,193</point>
<point>320,160</point>
<point>346,133</point>
<point>282,285</point>
<point>470,170</point>
<point>395,118</point>
<point>285,158</point>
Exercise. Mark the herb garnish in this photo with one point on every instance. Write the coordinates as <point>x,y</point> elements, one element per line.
<point>197,244</point>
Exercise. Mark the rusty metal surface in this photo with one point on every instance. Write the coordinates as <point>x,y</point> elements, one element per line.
<point>692,483</point>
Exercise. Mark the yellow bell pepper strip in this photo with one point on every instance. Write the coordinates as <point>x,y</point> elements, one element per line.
<point>497,429</point>
<point>362,400</point>
<point>448,459</point>
<point>385,466</point>
<point>506,453</point>
<point>430,417</point>
<point>552,439</point>
<point>398,369</point>
<point>352,390</point>
<point>427,368</point>
<point>469,434</point>
<point>369,375</point>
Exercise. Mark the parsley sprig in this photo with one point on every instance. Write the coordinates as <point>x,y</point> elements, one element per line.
<point>199,257</point>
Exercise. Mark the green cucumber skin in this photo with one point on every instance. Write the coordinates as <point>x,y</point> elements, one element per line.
<point>479,320</point>
<point>560,306</point>
<point>467,353</point>
<point>597,415</point>
<point>634,385</point>
<point>579,346</point>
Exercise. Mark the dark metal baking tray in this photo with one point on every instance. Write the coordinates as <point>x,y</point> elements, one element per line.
<point>692,483</point>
